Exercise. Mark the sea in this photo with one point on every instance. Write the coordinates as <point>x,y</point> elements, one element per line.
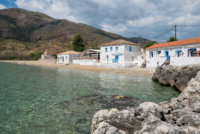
<point>44,100</point>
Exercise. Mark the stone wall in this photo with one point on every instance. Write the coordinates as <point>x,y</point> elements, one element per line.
<point>176,76</point>
<point>181,116</point>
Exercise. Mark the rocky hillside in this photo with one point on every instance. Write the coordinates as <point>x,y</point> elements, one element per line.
<point>33,31</point>
<point>181,116</point>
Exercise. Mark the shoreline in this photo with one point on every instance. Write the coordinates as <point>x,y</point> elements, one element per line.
<point>133,71</point>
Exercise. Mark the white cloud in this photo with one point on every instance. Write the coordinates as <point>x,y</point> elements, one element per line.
<point>128,18</point>
<point>2,6</point>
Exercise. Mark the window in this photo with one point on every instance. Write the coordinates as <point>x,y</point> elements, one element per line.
<point>130,49</point>
<point>166,53</point>
<point>116,48</point>
<point>151,54</point>
<point>107,58</point>
<point>106,50</point>
<point>110,49</point>
<point>132,58</point>
<point>178,53</point>
<point>65,57</point>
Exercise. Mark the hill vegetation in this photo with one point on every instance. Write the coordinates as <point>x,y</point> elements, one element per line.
<point>27,31</point>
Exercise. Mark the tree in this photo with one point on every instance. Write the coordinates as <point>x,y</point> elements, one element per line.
<point>77,43</point>
<point>149,44</point>
<point>172,39</point>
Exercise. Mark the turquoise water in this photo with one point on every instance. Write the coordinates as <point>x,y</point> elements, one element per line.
<point>43,100</point>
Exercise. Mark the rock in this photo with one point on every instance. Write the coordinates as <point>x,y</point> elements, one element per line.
<point>196,107</point>
<point>97,118</point>
<point>121,97</point>
<point>175,76</point>
<point>148,109</point>
<point>182,115</point>
<point>105,128</point>
<point>192,120</point>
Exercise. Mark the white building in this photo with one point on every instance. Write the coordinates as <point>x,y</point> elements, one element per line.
<point>46,55</point>
<point>181,52</point>
<point>67,57</point>
<point>119,51</point>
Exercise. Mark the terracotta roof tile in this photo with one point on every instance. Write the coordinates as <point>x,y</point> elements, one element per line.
<point>119,42</point>
<point>176,43</point>
<point>69,52</point>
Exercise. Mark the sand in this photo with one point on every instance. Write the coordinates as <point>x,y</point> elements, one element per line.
<point>133,71</point>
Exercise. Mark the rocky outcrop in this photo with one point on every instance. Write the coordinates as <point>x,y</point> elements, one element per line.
<point>176,76</point>
<point>181,115</point>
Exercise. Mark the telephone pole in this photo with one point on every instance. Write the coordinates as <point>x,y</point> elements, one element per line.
<point>175,32</point>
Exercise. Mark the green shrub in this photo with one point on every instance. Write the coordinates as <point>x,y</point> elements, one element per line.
<point>35,58</point>
<point>40,53</point>
<point>149,44</point>
<point>54,55</point>
<point>32,54</point>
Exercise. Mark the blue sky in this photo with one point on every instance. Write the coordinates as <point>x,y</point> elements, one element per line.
<point>129,18</point>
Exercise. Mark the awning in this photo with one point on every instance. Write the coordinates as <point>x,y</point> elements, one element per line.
<point>118,54</point>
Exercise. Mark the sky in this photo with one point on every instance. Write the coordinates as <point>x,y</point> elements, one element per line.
<point>128,18</point>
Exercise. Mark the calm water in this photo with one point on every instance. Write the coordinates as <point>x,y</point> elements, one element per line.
<point>42,100</point>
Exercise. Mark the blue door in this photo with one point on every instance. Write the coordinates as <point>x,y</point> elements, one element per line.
<point>166,53</point>
<point>116,59</point>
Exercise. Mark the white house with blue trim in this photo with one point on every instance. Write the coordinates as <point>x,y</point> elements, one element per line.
<point>119,51</point>
<point>182,52</point>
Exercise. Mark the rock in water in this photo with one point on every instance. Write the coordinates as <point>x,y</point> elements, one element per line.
<point>176,76</point>
<point>181,116</point>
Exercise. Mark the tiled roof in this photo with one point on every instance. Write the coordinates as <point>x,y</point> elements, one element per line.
<point>69,52</point>
<point>119,42</point>
<point>176,43</point>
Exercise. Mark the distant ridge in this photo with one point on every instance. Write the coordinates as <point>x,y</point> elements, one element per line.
<point>34,31</point>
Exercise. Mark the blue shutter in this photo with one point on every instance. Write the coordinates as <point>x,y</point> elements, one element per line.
<point>106,50</point>
<point>129,48</point>
<point>110,49</point>
<point>116,48</point>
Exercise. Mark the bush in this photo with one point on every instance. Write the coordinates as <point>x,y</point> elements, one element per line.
<point>32,54</point>
<point>40,53</point>
<point>172,39</point>
<point>13,57</point>
<point>54,55</point>
<point>149,44</point>
<point>35,58</point>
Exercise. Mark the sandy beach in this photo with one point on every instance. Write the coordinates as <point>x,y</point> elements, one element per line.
<point>133,71</point>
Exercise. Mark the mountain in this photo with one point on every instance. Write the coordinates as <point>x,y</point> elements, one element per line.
<point>137,40</point>
<point>24,30</point>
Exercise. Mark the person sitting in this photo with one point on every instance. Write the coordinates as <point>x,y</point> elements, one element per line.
<point>167,62</point>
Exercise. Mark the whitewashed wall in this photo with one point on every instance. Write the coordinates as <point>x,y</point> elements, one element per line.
<point>60,61</point>
<point>172,50</point>
<point>178,61</point>
<point>135,51</point>
<point>85,62</point>
<point>103,56</point>
<point>68,58</point>
<point>125,58</point>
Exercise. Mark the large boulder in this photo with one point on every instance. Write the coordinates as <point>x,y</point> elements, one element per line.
<point>175,76</point>
<point>182,115</point>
